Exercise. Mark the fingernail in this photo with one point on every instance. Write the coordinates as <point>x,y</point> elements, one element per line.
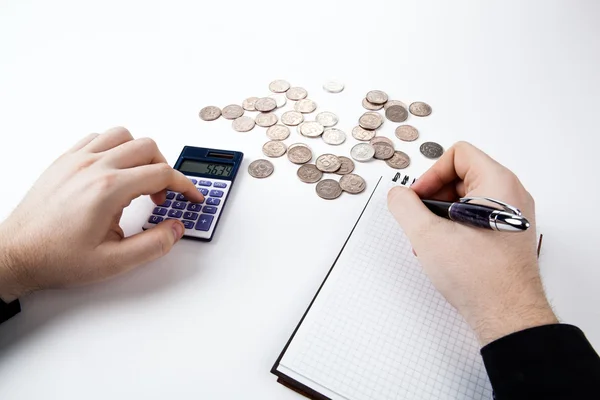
<point>177,230</point>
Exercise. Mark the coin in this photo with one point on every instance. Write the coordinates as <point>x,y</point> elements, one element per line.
<point>296,93</point>
<point>352,183</point>
<point>370,106</point>
<point>370,120</point>
<point>232,111</point>
<point>362,152</point>
<point>393,103</point>
<point>396,113</point>
<point>280,99</point>
<point>420,109</point>
<point>329,189</point>
<point>299,153</point>
<point>278,132</point>
<point>431,150</point>
<point>279,86</point>
<point>359,133</point>
<point>333,86</point>
<point>274,148</point>
<point>311,129</point>
<point>333,136</point>
<point>377,97</point>
<point>347,166</point>
<point>260,168</point>
<point>305,106</point>
<point>266,119</point>
<point>210,113</point>
<point>292,118</point>
<point>327,118</point>
<point>399,160</point>
<point>243,124</point>
<point>379,139</point>
<point>265,104</point>
<point>408,133</point>
<point>328,163</point>
<point>383,151</point>
<point>248,104</point>
<point>309,173</point>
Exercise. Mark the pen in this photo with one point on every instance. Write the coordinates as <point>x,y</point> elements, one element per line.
<point>509,219</point>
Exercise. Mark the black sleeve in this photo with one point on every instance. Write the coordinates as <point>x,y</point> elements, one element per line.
<point>7,311</point>
<point>550,362</point>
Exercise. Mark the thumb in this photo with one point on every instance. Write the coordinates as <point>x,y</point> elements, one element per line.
<point>410,212</point>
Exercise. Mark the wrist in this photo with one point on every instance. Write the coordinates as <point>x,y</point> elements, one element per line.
<point>12,283</point>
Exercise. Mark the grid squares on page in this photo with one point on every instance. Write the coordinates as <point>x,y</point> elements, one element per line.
<point>383,331</point>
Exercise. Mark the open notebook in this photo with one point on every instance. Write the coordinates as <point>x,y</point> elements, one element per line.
<point>377,329</point>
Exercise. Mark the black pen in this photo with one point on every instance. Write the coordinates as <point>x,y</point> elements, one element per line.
<point>509,219</point>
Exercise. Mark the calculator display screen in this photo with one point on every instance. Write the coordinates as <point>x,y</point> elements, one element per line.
<point>199,167</point>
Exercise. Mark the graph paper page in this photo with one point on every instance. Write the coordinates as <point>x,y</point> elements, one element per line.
<point>379,330</point>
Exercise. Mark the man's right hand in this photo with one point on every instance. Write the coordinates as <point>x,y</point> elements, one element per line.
<point>492,278</point>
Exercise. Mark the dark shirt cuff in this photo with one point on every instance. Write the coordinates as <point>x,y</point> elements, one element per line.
<point>7,311</point>
<point>552,361</point>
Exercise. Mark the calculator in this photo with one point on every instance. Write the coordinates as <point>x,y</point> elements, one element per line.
<point>213,172</point>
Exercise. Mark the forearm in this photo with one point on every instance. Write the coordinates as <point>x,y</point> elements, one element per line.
<point>11,286</point>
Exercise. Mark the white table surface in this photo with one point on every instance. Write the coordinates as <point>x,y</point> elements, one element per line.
<point>518,79</point>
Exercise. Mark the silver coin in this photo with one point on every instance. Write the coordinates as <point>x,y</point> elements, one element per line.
<point>305,106</point>
<point>280,99</point>
<point>292,118</point>
<point>299,153</point>
<point>377,97</point>
<point>399,160</point>
<point>431,150</point>
<point>265,104</point>
<point>299,128</point>
<point>311,129</point>
<point>383,151</point>
<point>210,113</point>
<point>278,132</point>
<point>243,124</point>
<point>420,109</point>
<point>347,166</point>
<point>407,133</point>
<point>333,86</point>
<point>327,119</point>
<point>379,139</point>
<point>333,136</point>
<point>279,86</point>
<point>328,189</point>
<point>296,93</point>
<point>232,111</point>
<point>248,104</point>
<point>274,148</point>
<point>370,120</point>
<point>394,103</point>
<point>261,168</point>
<point>298,144</point>
<point>370,106</point>
<point>352,183</point>
<point>396,113</point>
<point>359,133</point>
<point>309,173</point>
<point>362,152</point>
<point>266,119</point>
<point>328,163</point>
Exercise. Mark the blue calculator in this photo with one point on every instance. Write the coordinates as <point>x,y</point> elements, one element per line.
<point>213,172</point>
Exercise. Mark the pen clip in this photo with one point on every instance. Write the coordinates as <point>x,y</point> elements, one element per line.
<point>506,207</point>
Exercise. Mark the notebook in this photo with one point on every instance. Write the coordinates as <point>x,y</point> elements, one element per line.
<point>377,329</point>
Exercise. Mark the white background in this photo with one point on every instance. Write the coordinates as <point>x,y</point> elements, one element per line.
<point>518,79</point>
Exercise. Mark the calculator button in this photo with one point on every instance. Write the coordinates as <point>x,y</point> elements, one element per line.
<point>175,213</point>
<point>159,211</point>
<point>155,219</point>
<point>204,183</point>
<point>179,205</point>
<point>204,222</point>
<point>170,195</point>
<point>209,210</point>
<point>220,185</point>
<point>167,203</point>
<point>211,201</point>
<point>190,215</point>
<point>203,191</point>
<point>181,197</point>
<point>193,181</point>
<point>194,207</point>
<point>188,224</point>
<point>216,193</point>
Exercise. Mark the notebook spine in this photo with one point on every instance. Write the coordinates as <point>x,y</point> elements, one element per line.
<point>404,179</point>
